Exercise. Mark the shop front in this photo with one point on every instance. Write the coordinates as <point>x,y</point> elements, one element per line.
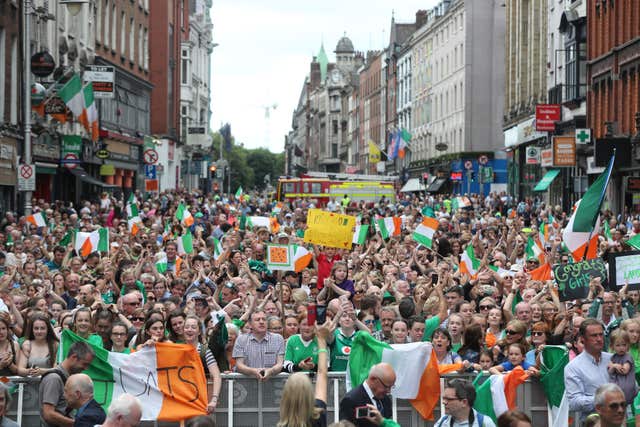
<point>46,155</point>
<point>523,176</point>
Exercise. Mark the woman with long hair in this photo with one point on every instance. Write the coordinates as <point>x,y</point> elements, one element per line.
<point>441,340</point>
<point>473,344</point>
<point>39,350</point>
<point>82,325</point>
<point>175,325</point>
<point>119,334</point>
<point>8,348</point>
<point>455,325</point>
<point>515,333</point>
<point>151,333</point>
<point>301,405</point>
<point>193,336</point>
<point>495,323</point>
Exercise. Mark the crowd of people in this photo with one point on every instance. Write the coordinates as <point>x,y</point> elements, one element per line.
<point>243,317</point>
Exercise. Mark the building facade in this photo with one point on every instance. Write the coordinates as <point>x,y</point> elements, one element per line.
<point>195,95</point>
<point>457,90</point>
<point>525,87</point>
<point>613,76</point>
<point>169,28</point>
<point>372,123</point>
<point>122,48</point>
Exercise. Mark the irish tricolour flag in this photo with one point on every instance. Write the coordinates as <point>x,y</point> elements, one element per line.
<point>184,216</point>
<point>185,243</point>
<point>497,394</point>
<point>79,99</point>
<point>581,234</point>
<point>360,234</point>
<point>37,219</point>
<point>87,243</point>
<point>469,264</point>
<point>424,232</point>
<point>415,365</point>
<point>389,226</point>
<point>168,378</point>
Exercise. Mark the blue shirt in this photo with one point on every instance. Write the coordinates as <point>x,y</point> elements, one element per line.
<point>508,366</point>
<point>582,376</point>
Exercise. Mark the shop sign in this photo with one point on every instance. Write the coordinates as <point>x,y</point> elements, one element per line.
<point>546,157</point>
<point>546,117</point>
<point>533,155</point>
<point>102,78</point>
<point>42,64</point>
<point>633,183</point>
<point>55,105</point>
<point>564,151</point>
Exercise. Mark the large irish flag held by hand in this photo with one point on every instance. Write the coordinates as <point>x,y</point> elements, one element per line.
<point>415,365</point>
<point>168,378</point>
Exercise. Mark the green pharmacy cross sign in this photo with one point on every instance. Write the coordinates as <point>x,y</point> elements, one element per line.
<point>583,136</point>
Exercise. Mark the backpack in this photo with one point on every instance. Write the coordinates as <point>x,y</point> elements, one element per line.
<point>56,370</point>
<point>480,420</point>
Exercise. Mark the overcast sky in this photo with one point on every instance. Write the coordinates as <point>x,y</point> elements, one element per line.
<point>264,52</point>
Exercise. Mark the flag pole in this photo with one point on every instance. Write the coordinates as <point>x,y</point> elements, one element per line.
<point>604,190</point>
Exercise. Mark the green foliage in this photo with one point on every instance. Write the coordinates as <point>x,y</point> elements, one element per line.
<point>249,167</point>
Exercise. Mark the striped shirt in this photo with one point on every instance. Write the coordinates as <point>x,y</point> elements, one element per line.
<point>259,354</point>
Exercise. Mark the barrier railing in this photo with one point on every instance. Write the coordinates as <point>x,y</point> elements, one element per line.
<point>257,404</point>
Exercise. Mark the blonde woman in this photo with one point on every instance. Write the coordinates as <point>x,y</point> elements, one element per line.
<point>300,405</point>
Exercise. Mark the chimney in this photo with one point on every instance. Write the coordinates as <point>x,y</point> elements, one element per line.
<point>421,18</point>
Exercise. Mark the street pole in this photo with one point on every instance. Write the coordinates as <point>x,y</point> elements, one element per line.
<point>469,175</point>
<point>26,72</point>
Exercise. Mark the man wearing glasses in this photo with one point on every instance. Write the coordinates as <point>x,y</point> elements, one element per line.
<point>611,405</point>
<point>584,374</point>
<point>458,398</point>
<point>374,391</point>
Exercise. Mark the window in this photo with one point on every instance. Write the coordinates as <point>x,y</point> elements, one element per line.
<point>145,48</point>
<point>14,81</point>
<point>99,21</point>
<point>132,40</point>
<point>123,33</point>
<point>106,23</point>
<point>316,188</point>
<point>114,26</point>
<point>334,125</point>
<point>2,74</point>
<point>140,46</point>
<point>289,187</point>
<point>184,71</point>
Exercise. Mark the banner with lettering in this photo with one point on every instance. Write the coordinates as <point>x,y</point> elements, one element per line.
<point>624,267</point>
<point>329,229</point>
<point>168,378</point>
<point>573,279</point>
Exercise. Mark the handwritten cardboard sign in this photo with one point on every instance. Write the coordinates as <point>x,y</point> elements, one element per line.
<point>573,279</point>
<point>329,229</point>
<point>624,267</point>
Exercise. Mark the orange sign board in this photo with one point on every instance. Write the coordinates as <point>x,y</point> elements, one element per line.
<point>150,185</point>
<point>564,151</point>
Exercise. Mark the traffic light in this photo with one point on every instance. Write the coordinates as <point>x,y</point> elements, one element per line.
<point>213,168</point>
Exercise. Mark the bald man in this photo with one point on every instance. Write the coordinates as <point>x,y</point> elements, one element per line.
<point>78,391</point>
<point>374,391</point>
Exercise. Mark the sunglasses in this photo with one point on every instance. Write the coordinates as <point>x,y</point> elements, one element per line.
<point>511,332</point>
<point>617,405</point>
<point>537,333</point>
<point>139,319</point>
<point>487,307</point>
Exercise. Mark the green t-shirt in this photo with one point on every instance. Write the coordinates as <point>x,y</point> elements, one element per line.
<point>297,350</point>
<point>340,350</point>
<point>455,347</point>
<point>430,325</point>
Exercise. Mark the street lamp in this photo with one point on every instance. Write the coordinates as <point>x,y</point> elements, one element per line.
<point>74,7</point>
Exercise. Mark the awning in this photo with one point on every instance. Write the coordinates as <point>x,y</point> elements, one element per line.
<point>546,180</point>
<point>413,184</point>
<point>435,185</point>
<point>84,176</point>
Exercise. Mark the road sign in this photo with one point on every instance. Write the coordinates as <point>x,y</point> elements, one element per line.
<point>150,156</point>
<point>70,160</point>
<point>26,178</point>
<point>533,155</point>
<point>583,136</point>
<point>150,172</point>
<point>150,185</point>
<point>487,174</point>
<point>468,164</point>
<point>483,160</point>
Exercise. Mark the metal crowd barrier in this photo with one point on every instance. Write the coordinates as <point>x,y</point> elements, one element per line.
<point>257,404</point>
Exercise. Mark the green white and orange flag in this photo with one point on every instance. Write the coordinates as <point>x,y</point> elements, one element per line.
<point>415,365</point>
<point>607,233</point>
<point>288,257</point>
<point>581,234</point>
<point>184,216</point>
<point>170,376</point>
<point>37,219</point>
<point>133,216</point>
<point>534,249</point>
<point>389,226</point>
<point>239,193</point>
<point>79,99</point>
<point>185,243</point>
<point>497,394</point>
<point>425,231</point>
<point>360,234</point>
<point>96,241</point>
<point>469,264</point>
<point>634,242</point>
